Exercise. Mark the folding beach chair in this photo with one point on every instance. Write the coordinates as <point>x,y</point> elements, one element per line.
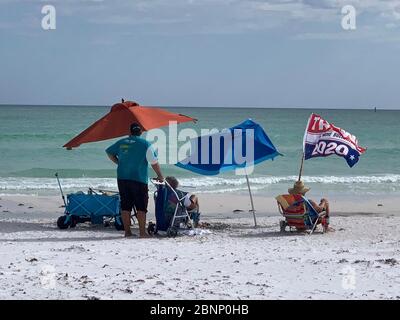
<point>300,214</point>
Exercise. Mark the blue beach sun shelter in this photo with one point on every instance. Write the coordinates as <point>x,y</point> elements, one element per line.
<point>237,148</point>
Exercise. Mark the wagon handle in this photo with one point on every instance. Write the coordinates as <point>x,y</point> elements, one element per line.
<point>62,193</point>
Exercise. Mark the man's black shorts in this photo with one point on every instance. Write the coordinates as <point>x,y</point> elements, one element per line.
<point>133,194</point>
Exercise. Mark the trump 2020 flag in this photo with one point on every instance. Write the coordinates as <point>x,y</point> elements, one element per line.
<point>323,139</point>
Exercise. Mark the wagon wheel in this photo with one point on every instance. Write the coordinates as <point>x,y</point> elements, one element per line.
<point>63,223</point>
<point>74,221</point>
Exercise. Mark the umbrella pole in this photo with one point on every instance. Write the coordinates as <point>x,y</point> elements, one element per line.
<point>251,200</point>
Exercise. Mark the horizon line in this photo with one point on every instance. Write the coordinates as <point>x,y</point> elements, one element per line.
<point>199,106</point>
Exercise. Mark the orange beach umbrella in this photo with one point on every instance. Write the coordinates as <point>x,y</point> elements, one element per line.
<point>117,122</point>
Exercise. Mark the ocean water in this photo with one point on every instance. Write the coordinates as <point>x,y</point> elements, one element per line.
<point>31,139</point>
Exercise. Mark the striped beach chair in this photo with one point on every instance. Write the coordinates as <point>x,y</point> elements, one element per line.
<point>299,214</point>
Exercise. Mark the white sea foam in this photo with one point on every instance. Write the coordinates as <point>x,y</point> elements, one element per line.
<point>40,184</point>
<point>202,184</point>
<point>265,180</point>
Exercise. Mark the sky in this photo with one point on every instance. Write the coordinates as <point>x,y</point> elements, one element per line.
<point>211,53</point>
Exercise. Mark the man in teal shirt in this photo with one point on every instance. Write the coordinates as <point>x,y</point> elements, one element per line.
<point>132,155</point>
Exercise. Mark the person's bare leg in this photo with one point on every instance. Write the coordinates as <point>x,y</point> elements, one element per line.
<point>325,205</point>
<point>141,217</point>
<point>195,203</point>
<point>126,220</point>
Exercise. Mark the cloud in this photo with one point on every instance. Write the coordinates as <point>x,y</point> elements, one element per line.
<point>240,14</point>
<point>215,16</point>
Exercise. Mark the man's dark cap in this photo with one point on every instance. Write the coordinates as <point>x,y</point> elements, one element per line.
<point>136,129</point>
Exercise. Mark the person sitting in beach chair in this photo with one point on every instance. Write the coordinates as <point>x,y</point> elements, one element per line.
<point>300,212</point>
<point>191,201</point>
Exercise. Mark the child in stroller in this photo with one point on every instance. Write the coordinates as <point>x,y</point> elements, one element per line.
<point>174,208</point>
<point>190,201</point>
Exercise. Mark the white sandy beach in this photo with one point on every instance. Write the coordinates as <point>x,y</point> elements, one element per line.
<point>360,260</point>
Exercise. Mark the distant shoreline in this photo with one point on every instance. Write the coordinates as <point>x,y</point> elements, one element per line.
<point>192,106</point>
<point>213,206</point>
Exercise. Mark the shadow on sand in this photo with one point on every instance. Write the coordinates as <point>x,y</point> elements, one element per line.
<point>275,234</point>
<point>7,227</point>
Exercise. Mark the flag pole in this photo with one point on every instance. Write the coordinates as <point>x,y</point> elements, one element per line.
<point>303,153</point>
<point>301,166</point>
<point>251,199</point>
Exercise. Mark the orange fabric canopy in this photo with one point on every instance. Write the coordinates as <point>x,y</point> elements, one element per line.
<point>117,122</point>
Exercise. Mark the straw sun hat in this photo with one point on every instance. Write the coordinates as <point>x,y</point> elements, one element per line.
<point>298,188</point>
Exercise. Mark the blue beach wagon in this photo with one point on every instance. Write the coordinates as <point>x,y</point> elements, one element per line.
<point>96,206</point>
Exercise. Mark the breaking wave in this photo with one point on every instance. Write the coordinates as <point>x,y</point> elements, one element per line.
<point>201,184</point>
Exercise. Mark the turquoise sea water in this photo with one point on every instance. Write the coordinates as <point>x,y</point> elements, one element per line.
<point>31,139</point>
